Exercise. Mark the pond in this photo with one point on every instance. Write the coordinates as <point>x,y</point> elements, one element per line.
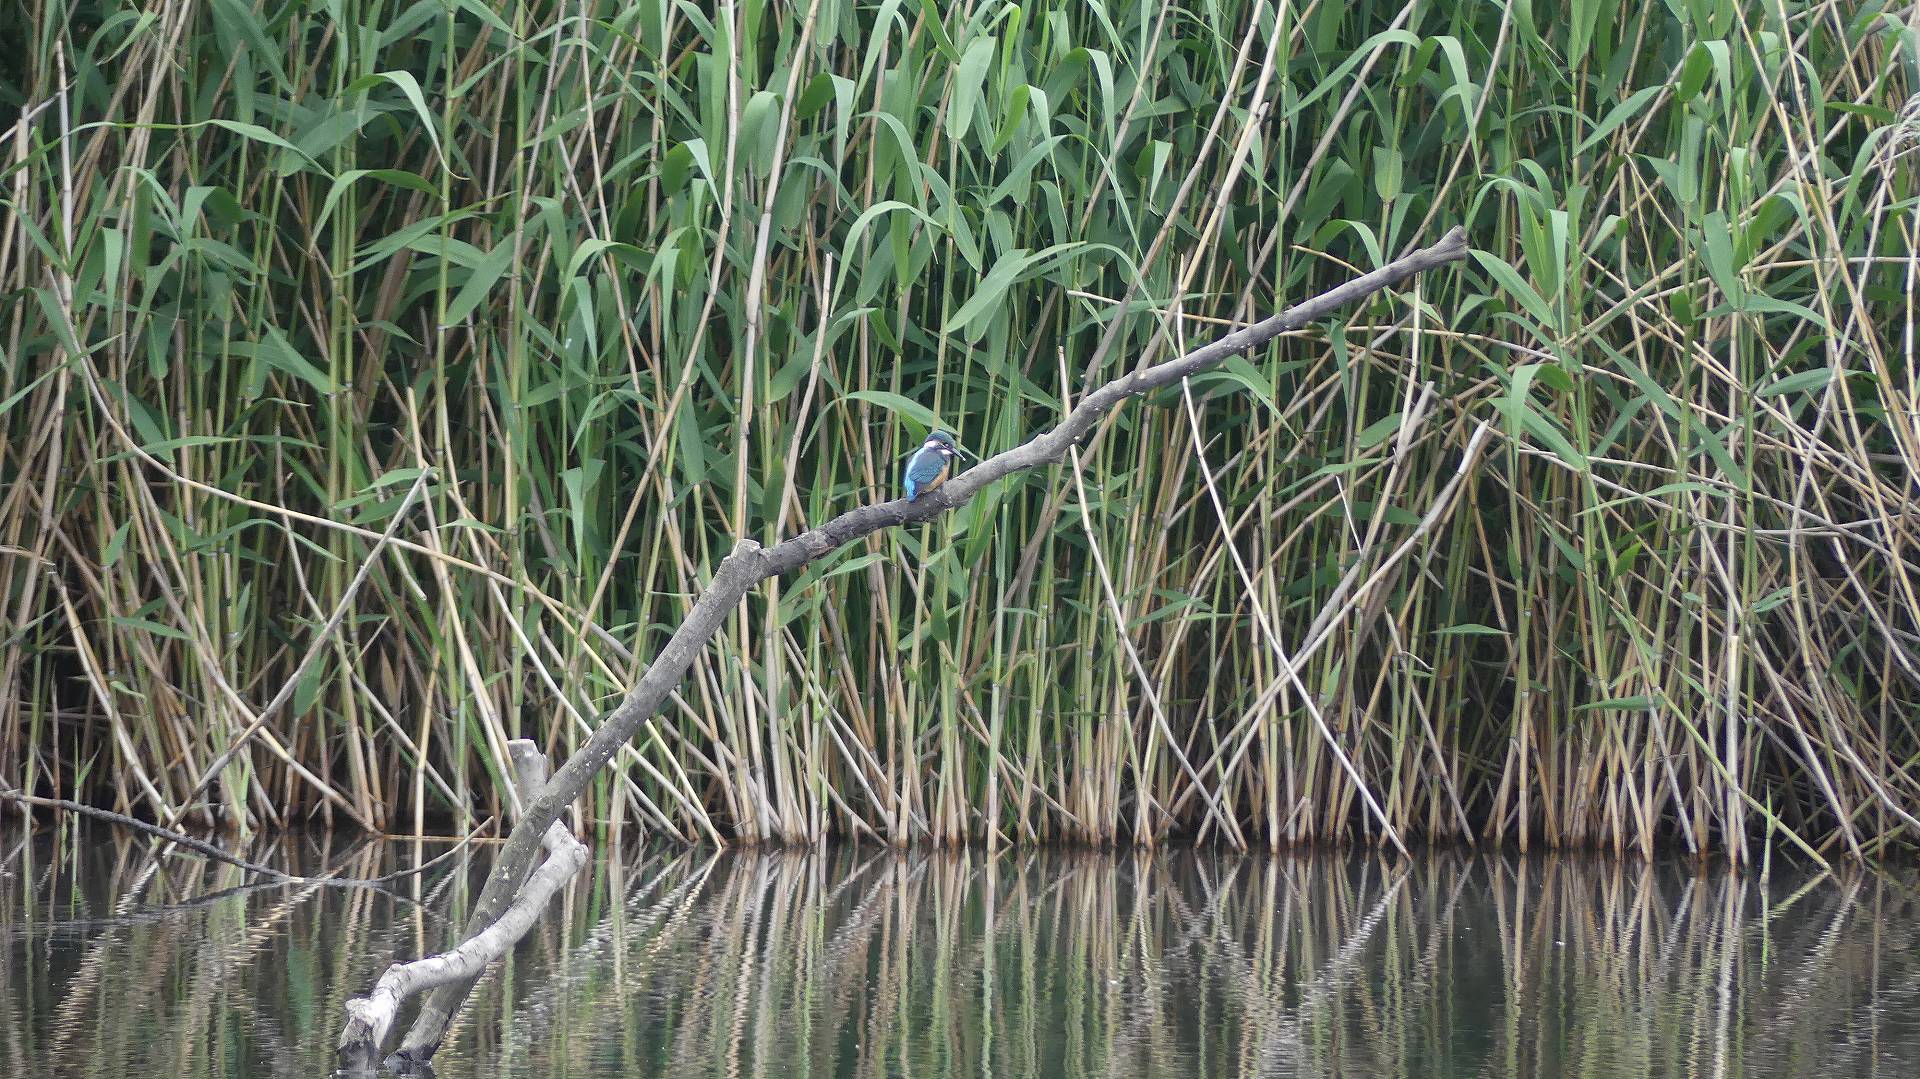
<point>856,961</point>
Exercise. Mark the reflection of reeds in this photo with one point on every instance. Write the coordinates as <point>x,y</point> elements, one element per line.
<point>856,962</point>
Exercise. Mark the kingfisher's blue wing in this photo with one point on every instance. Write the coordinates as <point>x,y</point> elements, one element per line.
<point>923,468</point>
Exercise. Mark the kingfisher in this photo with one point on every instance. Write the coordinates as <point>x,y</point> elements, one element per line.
<point>930,464</point>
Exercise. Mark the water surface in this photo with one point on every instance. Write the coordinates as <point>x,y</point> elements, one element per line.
<point>857,962</point>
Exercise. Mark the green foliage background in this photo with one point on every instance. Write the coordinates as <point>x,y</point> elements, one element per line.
<point>632,279</point>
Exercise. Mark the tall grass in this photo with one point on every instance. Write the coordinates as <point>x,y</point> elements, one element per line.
<point>625,281</point>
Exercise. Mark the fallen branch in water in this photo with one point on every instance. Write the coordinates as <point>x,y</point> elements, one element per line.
<point>749,564</point>
<point>208,850</point>
<point>370,1017</point>
<point>178,839</point>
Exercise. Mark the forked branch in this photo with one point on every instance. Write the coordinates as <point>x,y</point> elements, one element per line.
<point>749,564</point>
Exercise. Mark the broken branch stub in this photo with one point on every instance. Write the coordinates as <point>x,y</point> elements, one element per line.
<point>369,1018</point>
<point>749,564</point>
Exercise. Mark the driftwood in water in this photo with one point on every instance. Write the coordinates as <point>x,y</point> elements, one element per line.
<point>749,564</point>
<point>370,1017</point>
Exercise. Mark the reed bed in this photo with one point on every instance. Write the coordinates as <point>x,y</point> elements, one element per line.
<point>381,381</point>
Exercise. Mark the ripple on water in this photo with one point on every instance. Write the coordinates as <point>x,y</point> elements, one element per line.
<point>855,961</point>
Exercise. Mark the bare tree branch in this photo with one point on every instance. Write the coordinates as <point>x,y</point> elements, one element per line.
<point>369,1017</point>
<point>749,564</point>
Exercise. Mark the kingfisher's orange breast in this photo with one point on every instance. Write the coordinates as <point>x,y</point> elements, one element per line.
<point>946,466</point>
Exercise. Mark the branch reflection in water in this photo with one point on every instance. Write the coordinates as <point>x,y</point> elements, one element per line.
<point>857,962</point>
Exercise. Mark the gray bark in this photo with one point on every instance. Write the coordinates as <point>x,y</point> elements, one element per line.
<point>749,564</point>
<point>370,1017</point>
